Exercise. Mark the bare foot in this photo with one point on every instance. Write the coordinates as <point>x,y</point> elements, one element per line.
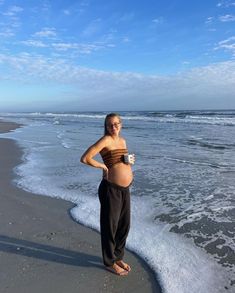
<point>123,265</point>
<point>116,269</point>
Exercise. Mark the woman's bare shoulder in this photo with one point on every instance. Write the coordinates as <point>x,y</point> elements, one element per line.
<point>106,139</point>
<point>123,140</point>
<point>103,142</point>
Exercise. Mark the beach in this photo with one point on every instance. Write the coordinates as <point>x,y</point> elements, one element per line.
<point>42,249</point>
<point>182,196</point>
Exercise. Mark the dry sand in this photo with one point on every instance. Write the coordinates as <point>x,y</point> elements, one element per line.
<point>43,250</point>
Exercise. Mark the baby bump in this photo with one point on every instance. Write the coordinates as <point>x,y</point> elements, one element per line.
<point>120,174</point>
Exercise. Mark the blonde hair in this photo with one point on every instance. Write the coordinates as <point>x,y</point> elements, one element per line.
<point>109,116</point>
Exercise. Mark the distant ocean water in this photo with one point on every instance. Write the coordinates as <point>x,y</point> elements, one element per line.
<point>183,195</point>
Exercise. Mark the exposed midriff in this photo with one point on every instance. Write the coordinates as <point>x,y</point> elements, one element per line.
<point>119,172</point>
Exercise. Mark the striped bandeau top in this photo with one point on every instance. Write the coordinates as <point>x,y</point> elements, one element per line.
<point>113,157</point>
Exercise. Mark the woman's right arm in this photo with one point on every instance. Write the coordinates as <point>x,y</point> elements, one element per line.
<point>92,151</point>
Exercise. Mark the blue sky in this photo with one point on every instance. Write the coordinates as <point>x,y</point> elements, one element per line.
<point>116,55</point>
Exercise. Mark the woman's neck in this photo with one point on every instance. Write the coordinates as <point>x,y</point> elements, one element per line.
<point>115,137</point>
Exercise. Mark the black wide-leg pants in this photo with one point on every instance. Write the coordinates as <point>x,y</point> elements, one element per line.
<point>114,220</point>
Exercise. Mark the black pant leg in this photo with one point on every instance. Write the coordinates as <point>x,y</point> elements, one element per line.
<point>111,204</point>
<point>123,226</point>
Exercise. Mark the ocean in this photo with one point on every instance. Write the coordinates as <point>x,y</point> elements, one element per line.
<point>183,194</point>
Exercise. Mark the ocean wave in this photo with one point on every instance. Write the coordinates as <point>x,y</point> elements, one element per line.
<point>209,145</point>
<point>226,118</point>
<point>223,167</point>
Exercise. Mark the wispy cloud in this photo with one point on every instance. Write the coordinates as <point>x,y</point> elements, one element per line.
<point>92,28</point>
<point>227,18</point>
<point>46,33</point>
<point>127,17</point>
<point>66,12</point>
<point>13,11</point>
<point>46,6</point>
<point>126,40</point>
<point>225,4</point>
<point>7,32</point>
<point>80,48</point>
<point>209,20</point>
<point>158,20</point>
<point>34,43</point>
<point>228,45</point>
<point>11,21</point>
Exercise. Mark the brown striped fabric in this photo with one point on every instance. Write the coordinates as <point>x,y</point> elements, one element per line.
<point>113,157</point>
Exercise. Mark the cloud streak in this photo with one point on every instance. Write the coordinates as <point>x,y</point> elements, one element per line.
<point>13,11</point>
<point>79,48</point>
<point>228,45</point>
<point>209,83</point>
<point>46,33</point>
<point>226,4</point>
<point>10,21</point>
<point>48,38</point>
<point>34,43</point>
<point>227,18</point>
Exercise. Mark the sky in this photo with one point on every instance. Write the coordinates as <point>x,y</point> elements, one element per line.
<point>113,55</point>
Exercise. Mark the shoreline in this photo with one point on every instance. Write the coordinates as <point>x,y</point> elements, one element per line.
<point>6,126</point>
<point>43,248</point>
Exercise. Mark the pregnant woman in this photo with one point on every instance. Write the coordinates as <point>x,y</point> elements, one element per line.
<point>114,194</point>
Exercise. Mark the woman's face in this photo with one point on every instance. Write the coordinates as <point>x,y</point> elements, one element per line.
<point>114,126</point>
